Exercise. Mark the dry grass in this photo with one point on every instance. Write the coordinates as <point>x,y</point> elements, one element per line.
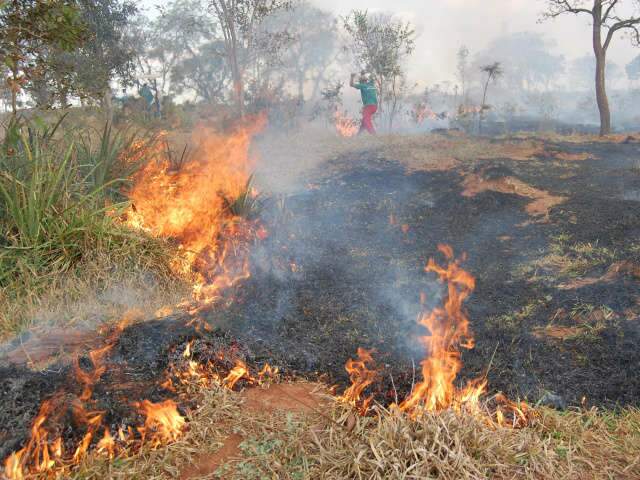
<point>101,288</point>
<point>287,158</point>
<point>339,445</point>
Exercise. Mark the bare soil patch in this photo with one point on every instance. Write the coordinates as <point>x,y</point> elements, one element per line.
<point>542,203</point>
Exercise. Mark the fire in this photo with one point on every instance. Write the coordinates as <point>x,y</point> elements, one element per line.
<point>267,372</point>
<point>422,112</point>
<point>465,110</point>
<point>40,454</point>
<point>107,445</point>
<point>202,205</point>
<point>88,380</point>
<point>236,374</point>
<point>449,330</point>
<point>163,422</point>
<point>362,373</point>
<point>346,126</point>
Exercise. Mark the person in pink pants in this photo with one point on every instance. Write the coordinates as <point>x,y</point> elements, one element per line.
<point>369,94</point>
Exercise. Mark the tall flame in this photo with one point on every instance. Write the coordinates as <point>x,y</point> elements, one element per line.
<point>449,330</point>
<point>192,205</point>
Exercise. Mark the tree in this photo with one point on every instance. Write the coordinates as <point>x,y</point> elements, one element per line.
<point>107,50</point>
<point>245,42</point>
<point>582,71</point>
<point>606,21</point>
<point>29,30</point>
<point>462,66</point>
<point>633,69</point>
<point>493,72</point>
<point>170,49</point>
<point>381,44</point>
<point>313,48</point>
<point>532,66</point>
<point>204,73</point>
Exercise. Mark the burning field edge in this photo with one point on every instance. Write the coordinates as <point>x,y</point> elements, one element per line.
<point>156,399</point>
<point>335,442</point>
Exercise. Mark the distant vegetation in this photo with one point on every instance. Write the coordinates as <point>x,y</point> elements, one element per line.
<point>229,59</point>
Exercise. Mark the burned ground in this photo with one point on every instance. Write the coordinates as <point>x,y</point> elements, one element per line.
<point>555,308</point>
<point>135,367</point>
<point>344,269</point>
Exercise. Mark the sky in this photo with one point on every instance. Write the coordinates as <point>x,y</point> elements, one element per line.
<point>444,25</point>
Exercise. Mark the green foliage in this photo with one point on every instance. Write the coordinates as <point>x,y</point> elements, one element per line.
<point>248,204</point>
<point>53,209</point>
<point>380,44</point>
<point>29,30</point>
<point>105,47</point>
<point>102,165</point>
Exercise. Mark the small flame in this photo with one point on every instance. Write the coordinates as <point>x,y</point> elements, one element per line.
<point>88,380</point>
<point>13,466</point>
<point>267,372</point>
<point>362,373</point>
<point>236,374</point>
<point>346,126</point>
<point>107,445</point>
<point>163,422</point>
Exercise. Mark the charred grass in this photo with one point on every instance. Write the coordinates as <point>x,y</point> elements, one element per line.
<point>574,444</point>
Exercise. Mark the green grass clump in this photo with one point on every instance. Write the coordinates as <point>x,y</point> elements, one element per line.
<point>59,204</point>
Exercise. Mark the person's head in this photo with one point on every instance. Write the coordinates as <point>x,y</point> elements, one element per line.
<point>365,77</point>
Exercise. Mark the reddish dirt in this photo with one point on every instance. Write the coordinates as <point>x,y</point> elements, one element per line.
<point>44,346</point>
<point>294,398</point>
<point>542,203</point>
<point>290,397</point>
<point>205,465</point>
<point>555,332</point>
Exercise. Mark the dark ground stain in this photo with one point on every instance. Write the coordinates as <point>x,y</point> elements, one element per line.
<point>358,278</point>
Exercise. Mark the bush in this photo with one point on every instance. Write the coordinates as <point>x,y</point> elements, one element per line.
<point>60,203</point>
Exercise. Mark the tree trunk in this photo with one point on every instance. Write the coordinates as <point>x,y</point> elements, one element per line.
<point>238,87</point>
<point>601,63</point>
<point>14,91</point>
<point>482,106</point>
<point>601,94</point>
<point>107,105</point>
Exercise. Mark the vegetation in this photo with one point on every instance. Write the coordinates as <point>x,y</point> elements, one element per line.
<point>66,246</point>
<point>328,441</point>
<point>29,31</point>
<point>380,45</point>
<point>606,21</point>
<point>60,206</point>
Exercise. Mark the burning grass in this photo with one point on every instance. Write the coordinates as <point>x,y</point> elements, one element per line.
<point>337,443</point>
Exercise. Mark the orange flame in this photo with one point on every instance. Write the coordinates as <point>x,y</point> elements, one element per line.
<point>267,372</point>
<point>88,380</point>
<point>448,331</point>
<point>39,454</point>
<point>236,374</point>
<point>107,445</point>
<point>361,376</point>
<point>193,205</point>
<point>163,422</point>
<point>346,126</point>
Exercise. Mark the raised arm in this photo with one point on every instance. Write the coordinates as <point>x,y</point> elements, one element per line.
<point>352,82</point>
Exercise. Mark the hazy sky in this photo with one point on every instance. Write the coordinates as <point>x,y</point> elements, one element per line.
<point>444,25</point>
